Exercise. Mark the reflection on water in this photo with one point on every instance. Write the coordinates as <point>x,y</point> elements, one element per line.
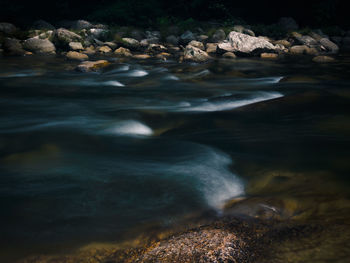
<point>92,157</point>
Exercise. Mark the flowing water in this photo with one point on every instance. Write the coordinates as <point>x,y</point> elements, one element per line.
<point>89,157</point>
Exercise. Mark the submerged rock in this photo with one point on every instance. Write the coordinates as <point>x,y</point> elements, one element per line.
<point>38,45</point>
<point>88,66</point>
<point>195,54</point>
<point>244,44</point>
<point>76,55</point>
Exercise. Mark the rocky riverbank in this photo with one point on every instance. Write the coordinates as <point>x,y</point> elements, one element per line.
<point>85,41</point>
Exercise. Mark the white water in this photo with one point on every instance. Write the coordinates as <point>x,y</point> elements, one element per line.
<point>130,128</point>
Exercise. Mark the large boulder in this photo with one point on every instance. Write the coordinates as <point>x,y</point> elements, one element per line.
<point>13,47</point>
<point>243,44</point>
<point>288,23</point>
<point>62,37</point>
<point>7,28</point>
<point>194,54</point>
<point>37,45</point>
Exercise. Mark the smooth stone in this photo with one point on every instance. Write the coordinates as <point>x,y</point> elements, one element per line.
<point>89,50</point>
<point>174,40</point>
<point>218,36</point>
<point>156,48</point>
<point>38,45</point>
<point>104,49</point>
<point>283,42</point>
<point>211,47</point>
<point>329,45</point>
<point>88,66</point>
<point>112,45</point>
<point>63,37</point>
<point>131,43</point>
<point>13,47</point>
<point>187,37</point>
<point>74,55</point>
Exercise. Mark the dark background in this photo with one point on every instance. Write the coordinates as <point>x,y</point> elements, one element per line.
<point>147,13</point>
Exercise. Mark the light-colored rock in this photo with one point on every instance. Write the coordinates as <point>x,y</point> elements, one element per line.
<point>283,42</point>
<point>211,47</point>
<point>218,36</point>
<point>244,44</point>
<point>131,43</point>
<point>104,49</point>
<point>122,52</point>
<point>323,59</point>
<point>269,55</point>
<point>142,56</point>
<point>174,40</point>
<point>7,28</point>
<point>197,44</point>
<point>330,47</point>
<point>152,34</point>
<point>163,55</point>
<point>75,46</point>
<point>229,55</point>
<point>288,23</point>
<point>187,37</point>
<point>47,35</point>
<point>76,55</point>
<point>13,47</point>
<point>38,45</point>
<point>149,41</point>
<point>88,66</point>
<point>192,53</point>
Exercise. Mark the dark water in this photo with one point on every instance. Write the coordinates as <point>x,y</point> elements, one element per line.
<point>89,157</point>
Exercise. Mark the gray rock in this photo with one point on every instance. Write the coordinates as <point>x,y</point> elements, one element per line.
<point>330,47</point>
<point>13,47</point>
<point>131,43</point>
<point>238,28</point>
<point>112,45</point>
<point>307,40</point>
<point>197,44</point>
<point>174,40</point>
<point>62,37</point>
<point>156,48</point>
<point>37,45</point>
<point>229,55</point>
<point>218,36</point>
<point>7,28</point>
<point>248,32</point>
<point>288,23</point>
<point>202,38</point>
<point>42,25</point>
<point>98,33</point>
<point>245,45</point>
<point>187,37</point>
<point>149,41</point>
<point>195,54</point>
<point>76,46</point>
<point>303,50</point>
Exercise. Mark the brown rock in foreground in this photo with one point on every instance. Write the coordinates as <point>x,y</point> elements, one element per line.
<point>88,66</point>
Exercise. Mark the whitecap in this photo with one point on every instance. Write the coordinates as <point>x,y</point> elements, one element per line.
<point>130,128</point>
<point>137,73</point>
<point>114,83</point>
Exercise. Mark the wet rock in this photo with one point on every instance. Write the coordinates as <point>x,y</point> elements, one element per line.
<point>288,23</point>
<point>42,25</point>
<point>99,33</point>
<point>330,47</point>
<point>211,47</point>
<point>244,44</point>
<point>142,56</point>
<point>131,43</point>
<point>104,49</point>
<point>172,40</point>
<point>187,37</point>
<point>229,55</point>
<point>38,45</point>
<point>13,47</point>
<point>149,41</point>
<point>62,37</point>
<point>88,66</point>
<point>283,42</point>
<point>156,48</point>
<point>192,53</point>
<point>269,55</point>
<point>197,44</point>
<point>238,28</point>
<point>75,46</point>
<point>7,28</point>
<point>89,50</point>
<point>323,59</point>
<point>122,52</point>
<point>218,36</point>
<point>76,55</point>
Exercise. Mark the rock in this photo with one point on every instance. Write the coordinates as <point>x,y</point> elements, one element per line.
<point>269,55</point>
<point>13,47</point>
<point>76,55</point>
<point>104,49</point>
<point>137,34</point>
<point>172,40</point>
<point>245,45</point>
<point>229,55</point>
<point>163,55</point>
<point>307,40</point>
<point>197,44</point>
<point>202,38</point>
<point>303,50</point>
<point>38,45</point>
<point>75,46</point>
<point>98,33</point>
<point>42,25</point>
<point>323,59</point>
<point>316,36</point>
<point>131,43</point>
<point>7,28</point>
<point>88,66</point>
<point>195,54</point>
<point>89,50</point>
<point>112,45</point>
<point>288,23</point>
<point>142,56</point>
<point>219,35</point>
<point>149,41</point>
<point>81,24</point>
<point>329,45</point>
<point>248,32</point>
<point>283,42</point>
<point>187,37</point>
<point>122,52</point>
<point>62,37</point>
<point>238,28</point>
<point>153,34</point>
<point>211,47</point>
<point>47,35</point>
<point>156,48</point>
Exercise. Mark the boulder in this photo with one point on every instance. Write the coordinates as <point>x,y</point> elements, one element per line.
<point>269,55</point>
<point>306,40</point>
<point>122,52</point>
<point>75,46</point>
<point>62,37</point>
<point>245,45</point>
<point>42,25</point>
<point>288,23</point>
<point>218,36</point>
<point>13,47</point>
<point>131,43</point>
<point>329,46</point>
<point>211,47</point>
<point>187,37</point>
<point>197,44</point>
<point>37,45</point>
<point>229,55</point>
<point>7,28</point>
<point>76,55</point>
<point>323,59</point>
<point>88,66</point>
<point>194,54</point>
<point>174,40</point>
<point>104,49</point>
